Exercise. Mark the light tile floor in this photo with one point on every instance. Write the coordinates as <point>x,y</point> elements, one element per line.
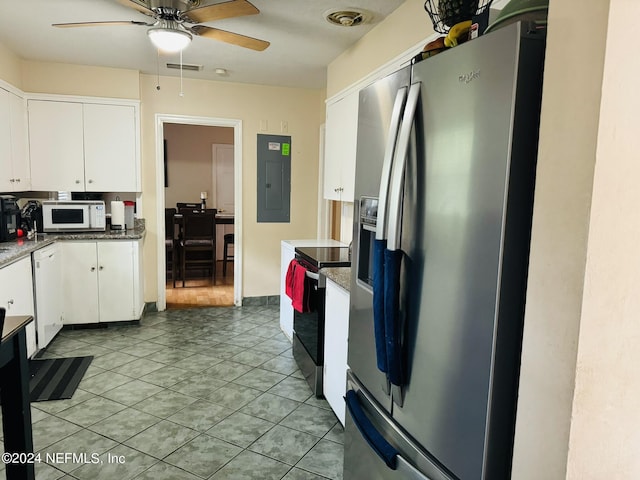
<point>193,394</point>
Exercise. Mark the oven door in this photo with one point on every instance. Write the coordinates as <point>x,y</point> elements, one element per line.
<point>308,335</point>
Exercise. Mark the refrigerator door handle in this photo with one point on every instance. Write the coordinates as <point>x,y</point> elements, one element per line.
<point>387,452</point>
<point>380,242</point>
<point>385,179</point>
<point>393,254</point>
<point>397,174</point>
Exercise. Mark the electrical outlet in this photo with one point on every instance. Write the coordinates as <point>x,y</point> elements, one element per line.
<point>284,126</point>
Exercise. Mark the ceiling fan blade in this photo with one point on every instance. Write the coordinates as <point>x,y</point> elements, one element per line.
<point>138,5</point>
<point>229,37</point>
<point>99,24</point>
<point>219,11</point>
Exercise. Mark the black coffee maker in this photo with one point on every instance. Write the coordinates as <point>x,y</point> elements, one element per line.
<point>9,218</point>
<point>31,216</point>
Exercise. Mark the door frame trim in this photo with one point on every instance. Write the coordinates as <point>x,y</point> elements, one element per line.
<point>236,124</point>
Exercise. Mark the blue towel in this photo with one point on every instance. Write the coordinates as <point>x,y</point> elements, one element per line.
<point>392,262</point>
<point>379,248</point>
<point>376,441</point>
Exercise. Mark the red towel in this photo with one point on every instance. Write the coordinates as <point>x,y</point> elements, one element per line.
<point>296,287</point>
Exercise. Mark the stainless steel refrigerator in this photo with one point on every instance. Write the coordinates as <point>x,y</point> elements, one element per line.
<point>445,177</point>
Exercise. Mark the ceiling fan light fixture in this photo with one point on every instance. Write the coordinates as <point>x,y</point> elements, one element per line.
<point>169,39</point>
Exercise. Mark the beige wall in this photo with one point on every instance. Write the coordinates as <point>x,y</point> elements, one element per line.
<point>190,167</point>
<point>605,436</point>
<point>64,79</point>
<point>568,132</point>
<point>582,323</point>
<point>10,70</point>
<point>250,103</point>
<point>303,110</point>
<point>404,28</point>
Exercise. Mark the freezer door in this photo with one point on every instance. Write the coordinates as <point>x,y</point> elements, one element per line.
<point>466,226</point>
<point>374,121</point>
<point>378,449</point>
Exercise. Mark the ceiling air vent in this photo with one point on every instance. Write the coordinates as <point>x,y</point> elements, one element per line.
<point>346,18</point>
<point>185,66</point>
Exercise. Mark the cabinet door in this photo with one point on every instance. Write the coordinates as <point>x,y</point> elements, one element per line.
<point>16,295</point>
<point>19,157</point>
<point>47,270</point>
<point>340,148</point>
<point>335,347</point>
<point>116,282</point>
<point>80,282</point>
<point>110,148</point>
<point>56,146</point>
<point>6,177</point>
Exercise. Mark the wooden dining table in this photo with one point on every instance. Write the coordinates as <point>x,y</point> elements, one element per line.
<point>222,218</point>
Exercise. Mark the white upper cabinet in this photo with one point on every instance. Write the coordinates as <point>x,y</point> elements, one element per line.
<point>56,147</point>
<point>83,146</point>
<point>340,148</point>
<point>110,159</point>
<point>14,161</point>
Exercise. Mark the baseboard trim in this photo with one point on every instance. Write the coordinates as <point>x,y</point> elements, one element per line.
<point>260,301</point>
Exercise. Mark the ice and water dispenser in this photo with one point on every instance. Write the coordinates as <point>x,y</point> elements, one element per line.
<point>367,222</point>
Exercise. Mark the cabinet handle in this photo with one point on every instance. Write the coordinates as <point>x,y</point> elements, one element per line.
<point>101,267</point>
<point>18,180</point>
<point>10,302</point>
<point>93,269</point>
<point>77,181</point>
<point>12,180</point>
<point>90,181</point>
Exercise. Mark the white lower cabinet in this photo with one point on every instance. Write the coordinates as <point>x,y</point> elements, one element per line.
<point>102,281</point>
<point>335,347</point>
<point>47,273</point>
<point>16,295</point>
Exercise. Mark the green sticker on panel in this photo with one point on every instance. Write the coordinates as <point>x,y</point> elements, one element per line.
<point>285,149</point>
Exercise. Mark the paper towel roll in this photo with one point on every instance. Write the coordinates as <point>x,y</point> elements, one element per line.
<point>117,215</point>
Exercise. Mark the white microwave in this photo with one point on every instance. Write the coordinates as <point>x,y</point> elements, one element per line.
<point>73,216</point>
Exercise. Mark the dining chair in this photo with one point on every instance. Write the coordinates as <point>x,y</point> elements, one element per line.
<point>229,239</point>
<point>170,242</point>
<point>198,243</point>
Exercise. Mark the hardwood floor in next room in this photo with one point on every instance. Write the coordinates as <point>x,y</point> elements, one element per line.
<point>204,393</point>
<point>198,292</point>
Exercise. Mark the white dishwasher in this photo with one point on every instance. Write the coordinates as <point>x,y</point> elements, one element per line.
<point>47,272</point>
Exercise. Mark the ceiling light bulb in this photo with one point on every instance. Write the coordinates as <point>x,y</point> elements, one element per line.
<point>168,39</point>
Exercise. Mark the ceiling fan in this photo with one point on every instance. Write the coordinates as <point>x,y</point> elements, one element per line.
<point>176,21</point>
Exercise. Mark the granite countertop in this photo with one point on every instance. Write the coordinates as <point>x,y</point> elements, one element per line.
<point>22,247</point>
<point>339,275</point>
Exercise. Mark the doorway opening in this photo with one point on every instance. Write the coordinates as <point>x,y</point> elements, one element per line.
<point>187,147</point>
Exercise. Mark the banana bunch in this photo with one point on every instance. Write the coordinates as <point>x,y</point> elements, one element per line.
<point>457,34</point>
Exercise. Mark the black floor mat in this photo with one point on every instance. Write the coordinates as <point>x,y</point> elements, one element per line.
<point>56,378</point>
